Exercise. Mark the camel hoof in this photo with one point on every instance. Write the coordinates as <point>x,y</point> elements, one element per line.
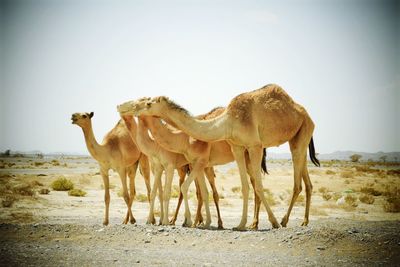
<point>220,227</point>
<point>133,220</point>
<point>105,223</point>
<point>172,222</point>
<point>284,221</point>
<point>239,228</point>
<point>305,223</point>
<point>187,223</point>
<point>253,227</point>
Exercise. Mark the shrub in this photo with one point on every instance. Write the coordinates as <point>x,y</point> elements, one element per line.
<point>355,157</point>
<point>236,189</point>
<point>141,198</point>
<point>55,162</point>
<point>392,204</point>
<point>322,190</point>
<point>38,163</point>
<point>367,199</point>
<point>62,184</point>
<point>347,174</point>
<point>326,196</point>
<point>8,201</point>
<point>76,193</point>
<point>351,200</point>
<point>24,190</point>
<point>370,191</point>
<point>44,191</point>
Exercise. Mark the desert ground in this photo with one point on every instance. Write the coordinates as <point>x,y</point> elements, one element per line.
<point>354,219</point>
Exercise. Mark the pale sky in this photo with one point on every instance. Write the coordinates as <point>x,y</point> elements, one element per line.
<point>339,59</point>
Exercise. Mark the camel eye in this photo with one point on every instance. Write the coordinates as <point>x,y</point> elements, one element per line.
<point>84,116</point>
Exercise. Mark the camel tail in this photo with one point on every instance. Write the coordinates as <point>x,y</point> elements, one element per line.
<point>186,168</point>
<point>312,153</point>
<point>264,161</point>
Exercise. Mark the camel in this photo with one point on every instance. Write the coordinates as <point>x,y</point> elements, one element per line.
<point>252,121</point>
<point>219,153</point>
<point>162,160</point>
<point>119,153</point>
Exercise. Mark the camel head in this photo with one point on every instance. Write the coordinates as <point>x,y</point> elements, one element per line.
<point>155,106</point>
<point>82,119</point>
<point>135,107</point>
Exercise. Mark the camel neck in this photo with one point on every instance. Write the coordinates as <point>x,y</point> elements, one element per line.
<point>175,142</point>
<point>145,143</point>
<point>93,147</point>
<point>205,130</point>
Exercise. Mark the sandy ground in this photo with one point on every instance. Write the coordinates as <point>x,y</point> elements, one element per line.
<point>57,229</point>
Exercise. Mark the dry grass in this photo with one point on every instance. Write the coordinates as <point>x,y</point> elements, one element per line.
<point>236,189</point>
<point>25,189</point>
<point>347,174</point>
<point>330,172</point>
<point>392,204</point>
<point>351,200</point>
<point>141,198</point>
<point>44,191</point>
<point>326,196</point>
<point>367,199</point>
<point>370,191</point>
<point>55,162</point>
<point>77,193</point>
<point>62,184</point>
<point>322,190</point>
<point>8,201</point>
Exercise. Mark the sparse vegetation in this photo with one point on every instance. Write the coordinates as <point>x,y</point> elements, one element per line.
<point>44,191</point>
<point>370,191</point>
<point>347,174</point>
<point>355,157</point>
<point>8,201</point>
<point>326,196</point>
<point>351,200</point>
<point>322,190</point>
<point>25,189</point>
<point>141,198</point>
<point>392,204</point>
<point>62,184</point>
<point>55,162</point>
<point>236,189</point>
<point>330,172</point>
<point>367,199</point>
<point>77,193</point>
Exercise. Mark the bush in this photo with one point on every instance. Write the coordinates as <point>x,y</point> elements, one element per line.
<point>326,196</point>
<point>62,184</point>
<point>370,191</point>
<point>8,201</point>
<point>76,193</point>
<point>367,199</point>
<point>141,198</point>
<point>351,200</point>
<point>24,190</point>
<point>392,204</point>
<point>44,191</point>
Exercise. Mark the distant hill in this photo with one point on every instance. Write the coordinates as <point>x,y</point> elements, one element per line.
<point>345,155</point>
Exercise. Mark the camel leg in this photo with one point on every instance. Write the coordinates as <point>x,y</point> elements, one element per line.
<point>309,188</point>
<point>106,182</point>
<point>169,175</point>
<point>238,152</point>
<point>156,186</point>
<point>184,189</point>
<point>211,179</point>
<point>298,164</point>
<point>145,171</point>
<point>199,217</point>
<point>204,195</point>
<point>255,154</point>
<point>182,175</point>
<point>132,190</point>
<point>257,203</point>
<point>122,175</point>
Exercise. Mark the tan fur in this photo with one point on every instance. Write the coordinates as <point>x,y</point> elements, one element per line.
<point>195,151</point>
<point>117,152</point>
<point>261,118</point>
<point>161,161</point>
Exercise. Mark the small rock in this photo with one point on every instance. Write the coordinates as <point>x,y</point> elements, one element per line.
<point>193,244</point>
<point>321,248</point>
<point>138,261</point>
<point>147,241</point>
<point>66,236</point>
<point>161,230</point>
<point>100,230</point>
<point>36,225</point>
<point>175,241</point>
<point>262,239</point>
<point>166,234</point>
<point>298,233</point>
<point>236,237</point>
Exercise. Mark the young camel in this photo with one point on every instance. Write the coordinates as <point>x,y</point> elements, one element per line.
<point>252,121</point>
<point>117,152</point>
<point>161,159</point>
<point>219,153</point>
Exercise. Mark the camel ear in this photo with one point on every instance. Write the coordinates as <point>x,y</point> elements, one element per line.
<point>91,114</point>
